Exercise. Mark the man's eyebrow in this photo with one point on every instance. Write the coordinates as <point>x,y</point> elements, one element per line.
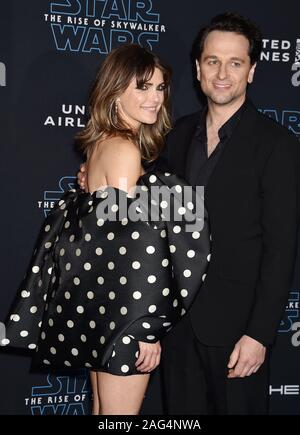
<point>237,58</point>
<point>210,56</point>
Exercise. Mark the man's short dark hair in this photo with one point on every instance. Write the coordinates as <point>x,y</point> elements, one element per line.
<point>231,22</point>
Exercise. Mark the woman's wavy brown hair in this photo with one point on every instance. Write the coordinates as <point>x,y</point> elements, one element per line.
<point>115,74</point>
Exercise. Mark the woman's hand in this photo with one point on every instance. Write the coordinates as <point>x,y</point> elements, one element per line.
<point>81,180</point>
<point>149,357</point>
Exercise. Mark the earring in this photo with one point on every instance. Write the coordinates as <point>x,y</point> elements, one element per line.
<point>113,114</point>
<point>116,106</point>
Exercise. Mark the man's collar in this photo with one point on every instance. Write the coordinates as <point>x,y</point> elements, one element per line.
<point>226,129</point>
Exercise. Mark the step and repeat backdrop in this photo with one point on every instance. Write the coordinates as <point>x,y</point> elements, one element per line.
<point>49,54</point>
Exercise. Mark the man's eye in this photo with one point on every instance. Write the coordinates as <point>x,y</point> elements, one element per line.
<point>212,62</point>
<point>236,64</point>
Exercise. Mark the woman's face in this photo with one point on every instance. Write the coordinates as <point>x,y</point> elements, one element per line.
<point>138,106</point>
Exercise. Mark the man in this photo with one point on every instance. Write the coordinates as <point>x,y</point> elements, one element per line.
<point>215,361</point>
<point>245,162</point>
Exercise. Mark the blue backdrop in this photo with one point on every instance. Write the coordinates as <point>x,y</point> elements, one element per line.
<point>49,53</point>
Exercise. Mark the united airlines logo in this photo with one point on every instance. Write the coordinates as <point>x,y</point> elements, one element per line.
<point>288,118</point>
<point>280,50</point>
<point>290,322</point>
<point>97,26</point>
<point>283,51</point>
<point>51,196</point>
<point>69,115</point>
<point>62,395</point>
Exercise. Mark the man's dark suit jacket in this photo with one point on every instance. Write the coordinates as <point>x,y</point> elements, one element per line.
<point>251,199</point>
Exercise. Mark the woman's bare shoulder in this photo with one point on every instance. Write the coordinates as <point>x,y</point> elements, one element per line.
<point>118,159</point>
<point>118,145</point>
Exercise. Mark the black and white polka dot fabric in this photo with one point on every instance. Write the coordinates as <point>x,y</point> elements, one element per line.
<point>96,287</point>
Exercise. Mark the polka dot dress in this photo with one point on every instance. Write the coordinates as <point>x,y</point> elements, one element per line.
<point>97,286</point>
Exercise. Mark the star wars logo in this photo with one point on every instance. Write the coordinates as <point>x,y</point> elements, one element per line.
<point>289,118</point>
<point>52,196</point>
<point>97,26</point>
<point>288,323</point>
<point>62,395</point>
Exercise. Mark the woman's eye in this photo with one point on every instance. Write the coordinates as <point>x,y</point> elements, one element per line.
<point>143,87</point>
<point>161,87</point>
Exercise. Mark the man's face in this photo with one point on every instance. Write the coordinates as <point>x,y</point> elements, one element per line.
<point>224,67</point>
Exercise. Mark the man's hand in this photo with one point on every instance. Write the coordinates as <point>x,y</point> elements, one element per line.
<point>81,180</point>
<point>246,358</point>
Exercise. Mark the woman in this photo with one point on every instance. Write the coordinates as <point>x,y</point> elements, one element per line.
<point>102,289</point>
